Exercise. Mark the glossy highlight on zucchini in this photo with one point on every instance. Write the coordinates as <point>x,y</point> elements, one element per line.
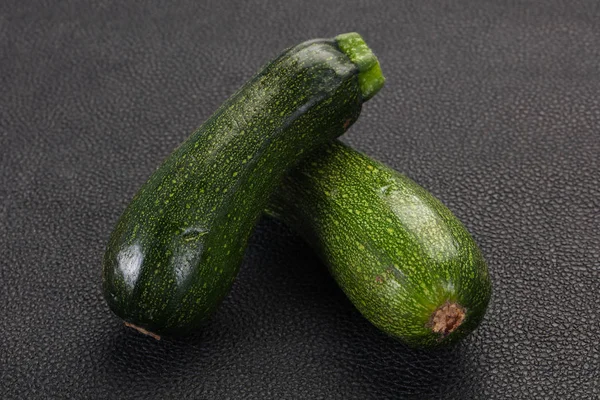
<point>402,258</point>
<point>177,247</point>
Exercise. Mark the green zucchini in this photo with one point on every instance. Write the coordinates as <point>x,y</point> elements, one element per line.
<point>404,260</point>
<point>177,247</point>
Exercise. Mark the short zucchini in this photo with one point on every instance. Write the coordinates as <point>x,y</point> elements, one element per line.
<point>177,247</point>
<point>404,260</point>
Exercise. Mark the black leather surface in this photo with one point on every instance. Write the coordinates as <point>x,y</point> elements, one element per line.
<point>493,106</point>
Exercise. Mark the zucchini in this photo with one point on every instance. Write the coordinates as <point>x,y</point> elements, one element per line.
<point>403,259</point>
<point>178,245</point>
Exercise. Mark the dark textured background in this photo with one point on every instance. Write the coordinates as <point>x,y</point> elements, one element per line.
<point>493,106</point>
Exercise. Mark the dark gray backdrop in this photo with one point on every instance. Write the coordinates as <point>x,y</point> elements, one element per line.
<point>493,106</point>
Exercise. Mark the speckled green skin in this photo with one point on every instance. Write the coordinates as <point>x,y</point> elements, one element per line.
<point>177,247</point>
<point>396,251</point>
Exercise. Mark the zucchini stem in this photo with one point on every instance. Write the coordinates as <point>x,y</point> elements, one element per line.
<point>370,77</point>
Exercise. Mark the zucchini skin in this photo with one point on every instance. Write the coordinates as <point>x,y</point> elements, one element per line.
<point>395,250</point>
<point>177,247</point>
